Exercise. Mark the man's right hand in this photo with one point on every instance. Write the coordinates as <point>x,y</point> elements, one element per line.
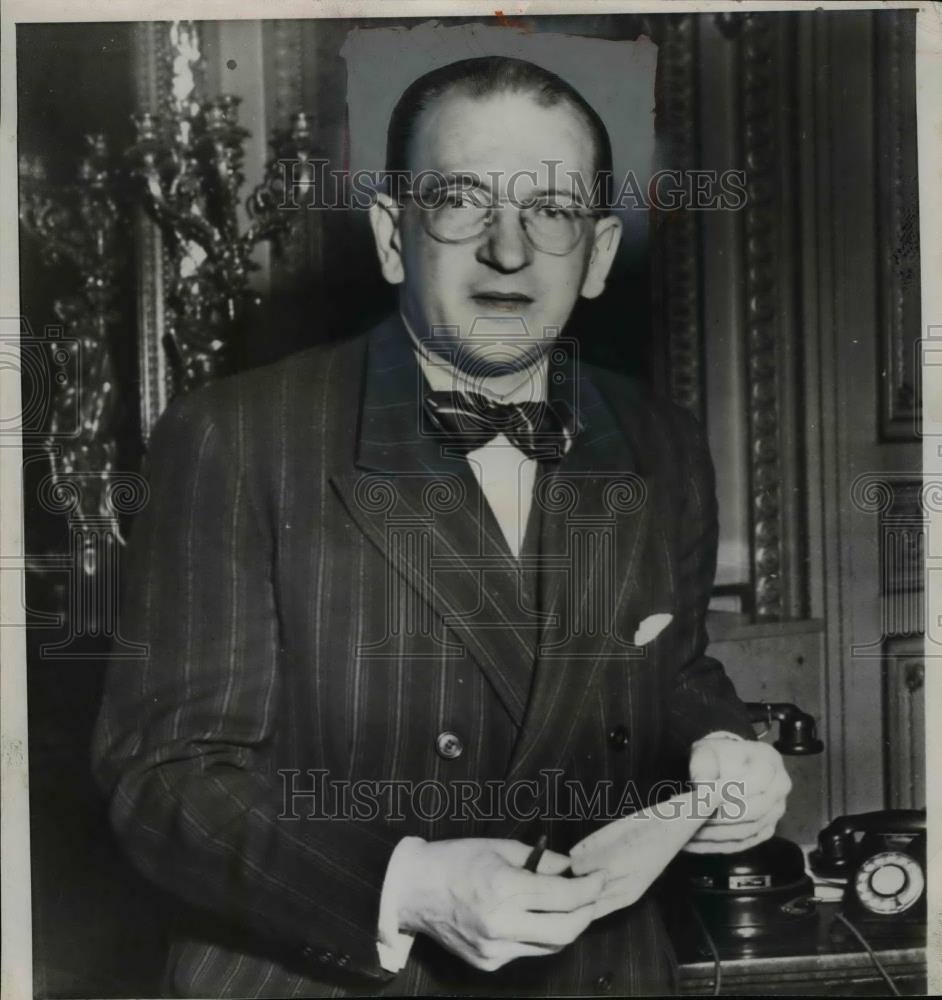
<point>475,898</point>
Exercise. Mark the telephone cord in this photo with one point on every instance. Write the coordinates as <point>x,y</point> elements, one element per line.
<point>873,958</point>
<point>711,944</point>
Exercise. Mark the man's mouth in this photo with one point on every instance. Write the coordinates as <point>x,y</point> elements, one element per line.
<point>503,301</point>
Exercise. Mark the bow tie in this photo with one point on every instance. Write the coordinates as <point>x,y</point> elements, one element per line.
<point>469,421</point>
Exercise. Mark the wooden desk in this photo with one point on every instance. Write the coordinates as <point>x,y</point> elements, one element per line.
<point>824,962</point>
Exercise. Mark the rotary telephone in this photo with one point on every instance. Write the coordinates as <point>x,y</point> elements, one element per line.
<point>882,856</point>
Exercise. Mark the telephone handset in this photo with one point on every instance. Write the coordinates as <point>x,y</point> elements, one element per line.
<point>883,857</point>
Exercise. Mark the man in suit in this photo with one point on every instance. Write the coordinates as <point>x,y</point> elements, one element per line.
<point>442,558</point>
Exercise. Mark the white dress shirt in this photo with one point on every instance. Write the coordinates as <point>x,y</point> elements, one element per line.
<point>504,473</point>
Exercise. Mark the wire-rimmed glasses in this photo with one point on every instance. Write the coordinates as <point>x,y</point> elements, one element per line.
<point>460,213</point>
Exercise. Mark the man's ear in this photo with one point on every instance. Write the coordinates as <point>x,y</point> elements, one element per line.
<point>384,220</point>
<point>604,245</point>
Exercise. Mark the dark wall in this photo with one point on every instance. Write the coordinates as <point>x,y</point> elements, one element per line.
<point>98,928</point>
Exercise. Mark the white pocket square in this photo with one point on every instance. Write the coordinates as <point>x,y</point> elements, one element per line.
<point>651,628</point>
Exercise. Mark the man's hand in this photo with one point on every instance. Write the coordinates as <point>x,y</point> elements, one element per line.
<point>751,786</point>
<point>633,851</point>
<point>474,897</point>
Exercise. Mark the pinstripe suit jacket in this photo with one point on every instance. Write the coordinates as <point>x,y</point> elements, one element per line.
<point>323,589</point>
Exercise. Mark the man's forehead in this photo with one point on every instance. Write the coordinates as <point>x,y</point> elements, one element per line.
<point>500,134</point>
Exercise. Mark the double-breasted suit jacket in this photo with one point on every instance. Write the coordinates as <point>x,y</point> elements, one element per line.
<point>326,597</point>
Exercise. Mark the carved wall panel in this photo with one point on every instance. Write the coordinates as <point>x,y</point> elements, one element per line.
<point>298,258</point>
<point>771,299</point>
<point>904,697</point>
<point>900,507</point>
<point>761,305</point>
<point>898,219</point>
<point>676,264</point>
<point>157,63</point>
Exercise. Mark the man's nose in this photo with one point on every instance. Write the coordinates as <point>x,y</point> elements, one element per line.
<point>505,246</point>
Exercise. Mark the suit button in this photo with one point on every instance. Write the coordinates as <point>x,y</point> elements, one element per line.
<point>307,951</point>
<point>604,983</point>
<point>326,957</point>
<point>618,737</point>
<point>343,960</point>
<point>449,745</point>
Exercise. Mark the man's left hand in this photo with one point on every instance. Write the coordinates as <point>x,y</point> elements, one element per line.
<point>752,786</point>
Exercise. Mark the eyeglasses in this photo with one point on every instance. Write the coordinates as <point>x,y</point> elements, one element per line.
<point>458,215</point>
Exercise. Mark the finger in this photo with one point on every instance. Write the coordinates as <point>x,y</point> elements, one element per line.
<point>514,852</point>
<point>760,812</point>
<point>754,762</point>
<point>546,929</point>
<point>732,756</point>
<point>621,892</point>
<point>750,810</point>
<point>754,818</point>
<point>630,871</point>
<point>730,847</point>
<point>493,955</point>
<point>705,762</point>
<point>551,863</point>
<point>728,833</point>
<point>753,841</point>
<point>762,769</point>
<point>738,832</point>
<point>738,803</point>
<point>768,768</point>
<point>613,863</point>
<point>552,893</point>
<point>781,783</point>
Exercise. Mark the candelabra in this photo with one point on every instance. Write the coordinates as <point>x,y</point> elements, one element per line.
<point>77,224</point>
<point>190,167</point>
<point>187,168</point>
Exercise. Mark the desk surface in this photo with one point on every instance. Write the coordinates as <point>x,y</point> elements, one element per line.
<point>823,958</point>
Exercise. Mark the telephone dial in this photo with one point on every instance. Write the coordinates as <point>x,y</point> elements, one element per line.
<point>882,856</point>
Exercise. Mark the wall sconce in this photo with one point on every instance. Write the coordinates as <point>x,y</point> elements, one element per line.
<point>189,167</point>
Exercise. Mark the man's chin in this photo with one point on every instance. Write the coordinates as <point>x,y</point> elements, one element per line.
<point>504,343</point>
<point>510,328</point>
<point>498,358</point>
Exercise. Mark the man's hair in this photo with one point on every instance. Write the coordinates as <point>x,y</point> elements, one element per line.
<point>485,77</point>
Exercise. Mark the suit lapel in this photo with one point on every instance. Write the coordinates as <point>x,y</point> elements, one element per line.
<point>595,523</point>
<point>419,503</point>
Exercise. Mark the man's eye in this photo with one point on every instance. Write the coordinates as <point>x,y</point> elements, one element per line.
<point>462,199</point>
<point>552,211</point>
